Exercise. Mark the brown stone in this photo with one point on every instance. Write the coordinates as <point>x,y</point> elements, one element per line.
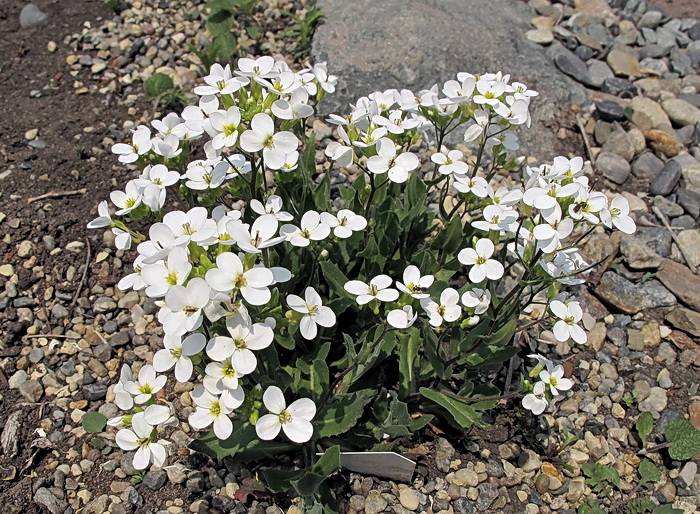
<point>681,282</point>
<point>694,413</point>
<point>685,319</point>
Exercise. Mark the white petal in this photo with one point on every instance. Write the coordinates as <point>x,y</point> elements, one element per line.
<point>274,400</point>
<point>268,427</point>
<point>223,427</point>
<point>127,440</point>
<point>299,430</point>
<point>142,457</point>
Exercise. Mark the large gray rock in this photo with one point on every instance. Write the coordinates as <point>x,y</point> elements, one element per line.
<point>414,44</point>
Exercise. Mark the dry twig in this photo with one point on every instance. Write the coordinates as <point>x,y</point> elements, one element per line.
<point>681,247</point>
<point>57,194</point>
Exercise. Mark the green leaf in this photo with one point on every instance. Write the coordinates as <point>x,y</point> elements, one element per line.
<point>253,31</point>
<point>379,351</point>
<point>684,439</point>
<point>157,84</point>
<point>328,464</point>
<point>639,506</point>
<point>409,344</point>
<point>220,23</point>
<point>342,415</point>
<point>335,278</point>
<point>94,422</point>
<point>322,193</point>
<point>491,355</point>
<point>415,190</point>
<point>644,425</point>
<point>648,473</point>
<point>225,47</point>
<point>450,238</point>
<point>601,478</point>
<point>463,413</point>
<point>319,379</point>
<point>590,506</point>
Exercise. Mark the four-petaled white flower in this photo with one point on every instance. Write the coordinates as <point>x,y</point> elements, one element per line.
<point>274,145</point>
<point>569,315</point>
<point>184,304</point>
<point>479,259</point>
<point>386,161</point>
<point>555,379</point>
<point>177,352</point>
<point>378,288</point>
<point>140,438</point>
<point>536,401</point>
<point>617,215</point>
<point>450,162</point>
<point>415,284</point>
<point>243,338</point>
<point>294,420</point>
<point>312,229</point>
<point>224,126</point>
<point>141,144</point>
<point>477,299</point>
<point>230,275</point>
<point>147,385</point>
<point>211,410</point>
<point>347,222</point>
<point>447,310</point>
<point>315,313</point>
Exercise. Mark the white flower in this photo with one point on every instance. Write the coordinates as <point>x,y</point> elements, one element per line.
<point>140,438</point>
<point>261,234</point>
<point>146,386</point>
<point>415,284</point>
<point>618,215</point>
<point>447,310</point>
<point>496,218</point>
<point>224,127</point>
<point>122,397</point>
<point>478,258</point>
<point>183,311</point>
<point>177,353</point>
<point>168,147</point>
<point>554,379</point>
<point>569,315</point>
<point>104,219</point>
<point>477,299</point>
<point>341,154</point>
<point>203,175</point>
<point>126,200</point>
<point>536,400</point>
<point>256,68</point>
<point>273,205</point>
<point>122,240</point>
<point>133,280</point>
<point>165,274</point>
<point>193,225</point>
<point>244,338</point>
<point>262,136</point>
<point>141,144</point>
<point>161,415</point>
<point>377,288</point>
<point>348,222</point>
<point>402,318</point>
<point>386,161</point>
<point>211,409</point>
<point>220,81</point>
<point>158,175</point>
<point>312,229</point>
<point>476,185</point>
<point>295,420</point>
<point>450,162</point>
<point>550,233</point>
<point>229,275</point>
<point>295,108</point>
<point>315,313</point>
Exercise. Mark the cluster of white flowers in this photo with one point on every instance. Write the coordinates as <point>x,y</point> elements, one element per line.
<point>551,382</point>
<point>209,268</point>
